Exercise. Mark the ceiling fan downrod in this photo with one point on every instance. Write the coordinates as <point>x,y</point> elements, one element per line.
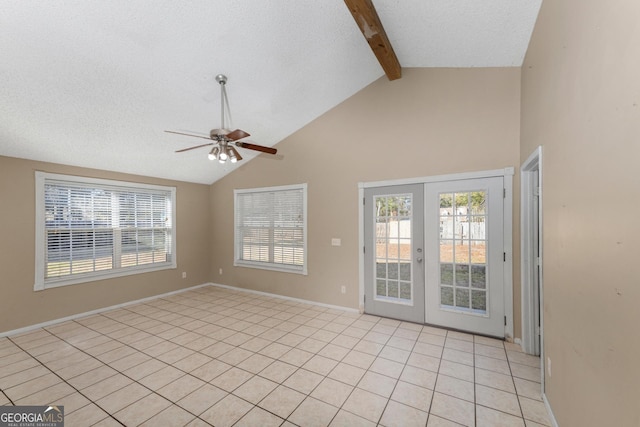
<point>222,80</point>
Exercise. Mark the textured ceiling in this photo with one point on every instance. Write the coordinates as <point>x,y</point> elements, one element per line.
<point>95,83</point>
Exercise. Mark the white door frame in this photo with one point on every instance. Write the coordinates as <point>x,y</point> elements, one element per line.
<point>531,234</point>
<point>507,174</point>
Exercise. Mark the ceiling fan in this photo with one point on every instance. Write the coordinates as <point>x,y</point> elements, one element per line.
<point>223,138</point>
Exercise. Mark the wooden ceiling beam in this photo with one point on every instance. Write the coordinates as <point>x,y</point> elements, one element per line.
<point>369,23</point>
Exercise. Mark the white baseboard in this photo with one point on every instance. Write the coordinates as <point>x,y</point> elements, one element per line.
<point>125,304</point>
<point>235,288</point>
<point>99,310</point>
<point>320,304</point>
<point>552,418</point>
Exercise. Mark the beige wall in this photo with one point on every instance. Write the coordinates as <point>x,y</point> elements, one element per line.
<point>430,122</point>
<point>20,306</point>
<point>581,102</point>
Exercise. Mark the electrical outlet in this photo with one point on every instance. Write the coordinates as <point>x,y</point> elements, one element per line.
<point>343,289</point>
<point>549,366</point>
<point>184,274</point>
<point>220,271</point>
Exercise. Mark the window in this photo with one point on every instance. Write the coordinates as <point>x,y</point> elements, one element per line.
<point>271,228</point>
<point>91,229</point>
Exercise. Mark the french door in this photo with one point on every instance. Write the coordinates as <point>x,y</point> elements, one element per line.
<point>434,253</point>
<point>394,255</point>
<point>465,255</point>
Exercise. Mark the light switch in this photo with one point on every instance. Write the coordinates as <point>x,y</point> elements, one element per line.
<point>336,242</point>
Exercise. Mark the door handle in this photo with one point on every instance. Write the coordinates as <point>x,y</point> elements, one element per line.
<point>419,259</point>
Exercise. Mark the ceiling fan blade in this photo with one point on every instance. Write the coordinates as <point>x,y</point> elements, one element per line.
<point>187,134</point>
<point>193,148</point>
<point>256,147</point>
<point>236,134</point>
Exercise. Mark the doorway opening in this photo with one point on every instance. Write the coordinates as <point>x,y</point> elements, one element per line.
<point>531,253</point>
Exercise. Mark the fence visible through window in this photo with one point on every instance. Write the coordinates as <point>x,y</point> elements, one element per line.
<point>393,273</point>
<point>463,251</point>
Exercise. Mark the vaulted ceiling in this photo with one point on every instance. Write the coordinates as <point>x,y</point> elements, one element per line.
<point>95,83</point>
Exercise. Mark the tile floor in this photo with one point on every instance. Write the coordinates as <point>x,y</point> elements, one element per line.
<point>214,356</point>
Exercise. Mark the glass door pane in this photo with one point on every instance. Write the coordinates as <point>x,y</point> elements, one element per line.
<point>463,244</point>
<point>393,248</point>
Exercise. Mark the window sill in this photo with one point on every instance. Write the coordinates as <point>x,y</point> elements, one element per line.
<point>50,284</point>
<point>271,267</point>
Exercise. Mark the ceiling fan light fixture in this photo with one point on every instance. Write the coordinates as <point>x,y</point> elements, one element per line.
<point>233,154</point>
<point>212,154</point>
<point>216,152</point>
<point>222,137</point>
<point>223,156</point>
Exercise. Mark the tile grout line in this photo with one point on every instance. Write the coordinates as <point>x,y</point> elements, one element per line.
<point>185,372</point>
<point>394,387</point>
<point>127,376</point>
<point>515,388</point>
<point>341,407</point>
<point>116,319</point>
<point>301,367</point>
<point>8,398</point>
<point>513,377</point>
<point>197,416</point>
<point>354,387</point>
<point>184,310</point>
<point>168,340</point>
<point>62,379</point>
<point>117,370</point>
<point>367,370</point>
<point>433,395</point>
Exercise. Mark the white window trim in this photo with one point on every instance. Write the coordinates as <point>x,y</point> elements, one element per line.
<point>237,262</point>
<point>40,281</point>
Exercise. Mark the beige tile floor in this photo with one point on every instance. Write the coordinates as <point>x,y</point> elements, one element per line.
<point>214,356</point>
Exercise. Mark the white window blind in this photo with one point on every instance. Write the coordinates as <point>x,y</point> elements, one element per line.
<point>271,228</point>
<point>89,229</point>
